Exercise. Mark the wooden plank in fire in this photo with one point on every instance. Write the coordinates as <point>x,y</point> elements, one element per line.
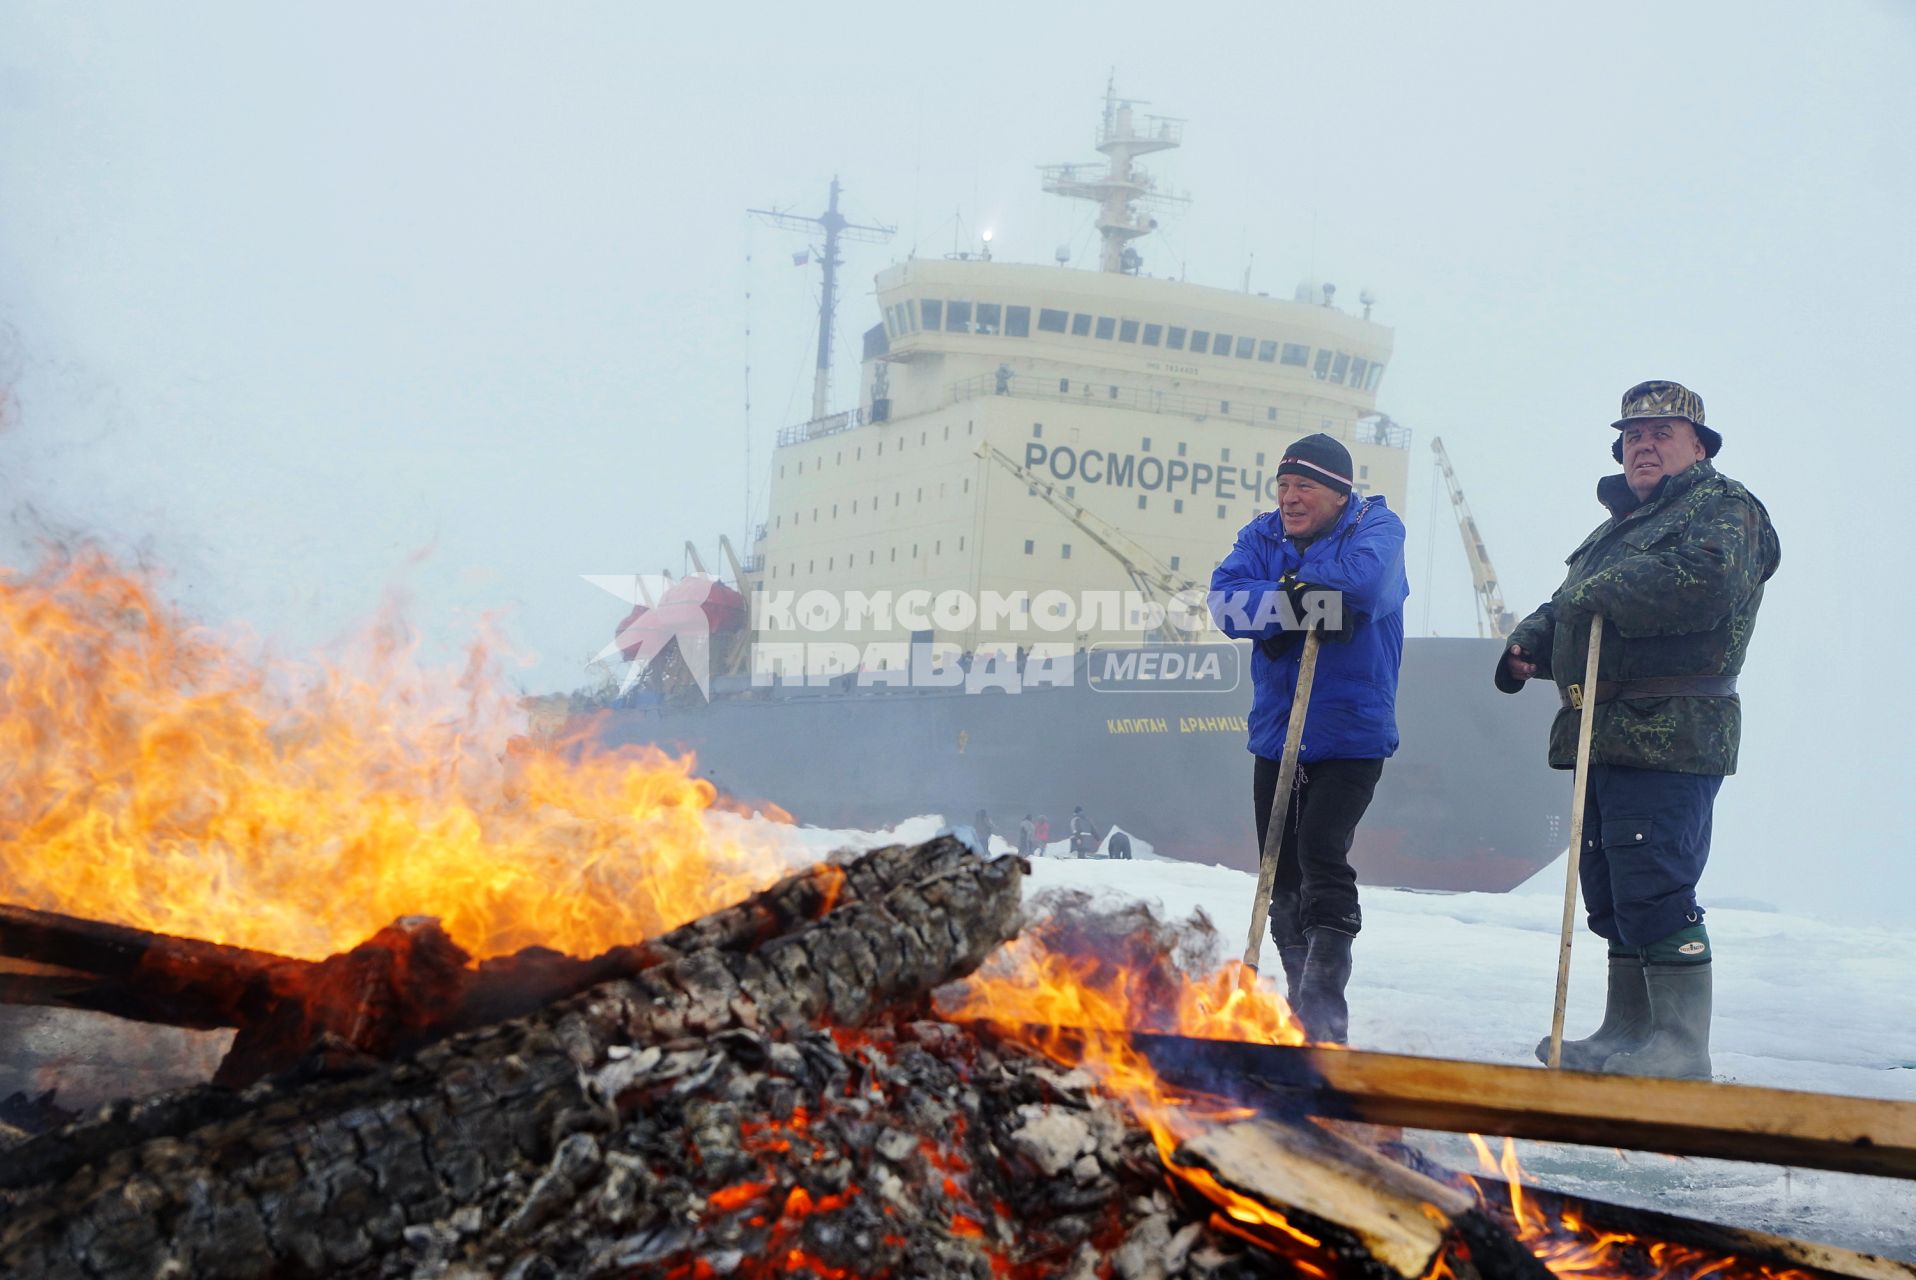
<point>73,963</point>
<point>1309,1178</point>
<point>1678,1117</point>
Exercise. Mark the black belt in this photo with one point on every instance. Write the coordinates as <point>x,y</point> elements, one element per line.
<point>1654,687</point>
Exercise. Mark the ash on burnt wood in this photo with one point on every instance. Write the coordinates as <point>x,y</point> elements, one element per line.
<point>325,1178</point>
<point>910,1150</point>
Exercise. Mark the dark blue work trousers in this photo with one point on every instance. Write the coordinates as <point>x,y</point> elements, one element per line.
<point>1646,836</point>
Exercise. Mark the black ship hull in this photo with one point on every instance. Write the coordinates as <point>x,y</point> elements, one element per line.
<point>1467,804</point>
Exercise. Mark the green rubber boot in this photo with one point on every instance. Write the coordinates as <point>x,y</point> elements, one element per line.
<point>1679,1041</point>
<point>1626,1019</point>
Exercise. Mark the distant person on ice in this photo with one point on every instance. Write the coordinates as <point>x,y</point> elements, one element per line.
<point>1677,573</point>
<point>1321,538</point>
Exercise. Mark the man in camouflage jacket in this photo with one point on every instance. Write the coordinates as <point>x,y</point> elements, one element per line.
<point>1676,573</point>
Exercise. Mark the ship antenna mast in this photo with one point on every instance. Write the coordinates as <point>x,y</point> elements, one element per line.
<point>836,227</point>
<point>1122,186</point>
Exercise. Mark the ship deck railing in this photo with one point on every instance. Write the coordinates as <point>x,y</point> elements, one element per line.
<point>1370,429</point>
<point>829,425</point>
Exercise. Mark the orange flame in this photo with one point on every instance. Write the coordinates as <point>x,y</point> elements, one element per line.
<point>1070,995</point>
<point>1571,1247</point>
<point>158,778</point>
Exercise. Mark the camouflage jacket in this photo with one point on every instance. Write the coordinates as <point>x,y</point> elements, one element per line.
<point>1678,579</point>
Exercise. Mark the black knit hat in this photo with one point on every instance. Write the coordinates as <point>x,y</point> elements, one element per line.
<point>1319,458</point>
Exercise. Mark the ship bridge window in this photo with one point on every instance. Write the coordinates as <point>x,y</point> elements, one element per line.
<point>1358,365</point>
<point>1200,341</point>
<point>1127,331</point>
<point>1296,353</point>
<point>1017,322</point>
<point>957,317</point>
<point>1106,327</point>
<point>1323,366</point>
<point>1051,320</point>
<point>1153,332</point>
<point>990,317</point>
<point>1339,367</point>
<point>1267,351</point>
<point>933,311</point>
<point>1221,344</point>
<point>1245,346</point>
<point>1080,325</point>
<point>911,314</point>
<point>1174,338</point>
<point>1376,372</point>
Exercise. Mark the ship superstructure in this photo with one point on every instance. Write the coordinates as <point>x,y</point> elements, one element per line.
<point>1161,406</point>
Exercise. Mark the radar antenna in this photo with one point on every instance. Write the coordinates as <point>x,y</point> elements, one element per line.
<point>835,226</point>
<point>1154,579</point>
<point>1490,596</point>
<point>1122,185</point>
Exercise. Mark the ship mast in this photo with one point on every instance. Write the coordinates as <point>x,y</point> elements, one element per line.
<point>1123,185</point>
<point>835,226</point>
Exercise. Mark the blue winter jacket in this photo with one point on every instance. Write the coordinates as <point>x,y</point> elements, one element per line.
<point>1353,710</point>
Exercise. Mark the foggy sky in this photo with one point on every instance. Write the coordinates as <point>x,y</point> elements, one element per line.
<point>305,303</point>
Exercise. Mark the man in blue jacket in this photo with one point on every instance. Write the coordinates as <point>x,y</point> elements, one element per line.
<point>1323,546</point>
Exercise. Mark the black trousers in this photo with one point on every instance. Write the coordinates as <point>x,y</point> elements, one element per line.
<point>1315,885</point>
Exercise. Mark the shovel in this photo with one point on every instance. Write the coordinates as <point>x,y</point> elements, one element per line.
<point>1586,721</point>
<point>1281,800</point>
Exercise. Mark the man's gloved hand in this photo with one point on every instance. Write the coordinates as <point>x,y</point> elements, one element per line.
<point>1316,608</point>
<point>1275,646</point>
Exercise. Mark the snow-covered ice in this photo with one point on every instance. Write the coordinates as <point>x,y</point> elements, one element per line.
<point>1801,1003</point>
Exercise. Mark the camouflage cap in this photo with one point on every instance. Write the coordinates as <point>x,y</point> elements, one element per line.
<point>1661,398</point>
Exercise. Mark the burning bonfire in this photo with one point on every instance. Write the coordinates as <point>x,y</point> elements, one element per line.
<point>506,1006</point>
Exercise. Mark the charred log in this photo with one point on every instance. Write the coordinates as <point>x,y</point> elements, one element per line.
<point>323,1177</point>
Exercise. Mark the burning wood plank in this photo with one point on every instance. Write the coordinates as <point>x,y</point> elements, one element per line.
<point>1679,1117</point>
<point>108,968</point>
<point>1392,1215</point>
<point>1637,1232</point>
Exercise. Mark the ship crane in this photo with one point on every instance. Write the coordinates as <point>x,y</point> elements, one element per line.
<point>1490,596</point>
<point>1153,578</point>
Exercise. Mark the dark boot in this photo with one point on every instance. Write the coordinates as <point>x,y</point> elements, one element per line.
<point>1626,1019</point>
<point>1679,1041</point>
<point>1293,958</point>
<point>1320,992</point>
